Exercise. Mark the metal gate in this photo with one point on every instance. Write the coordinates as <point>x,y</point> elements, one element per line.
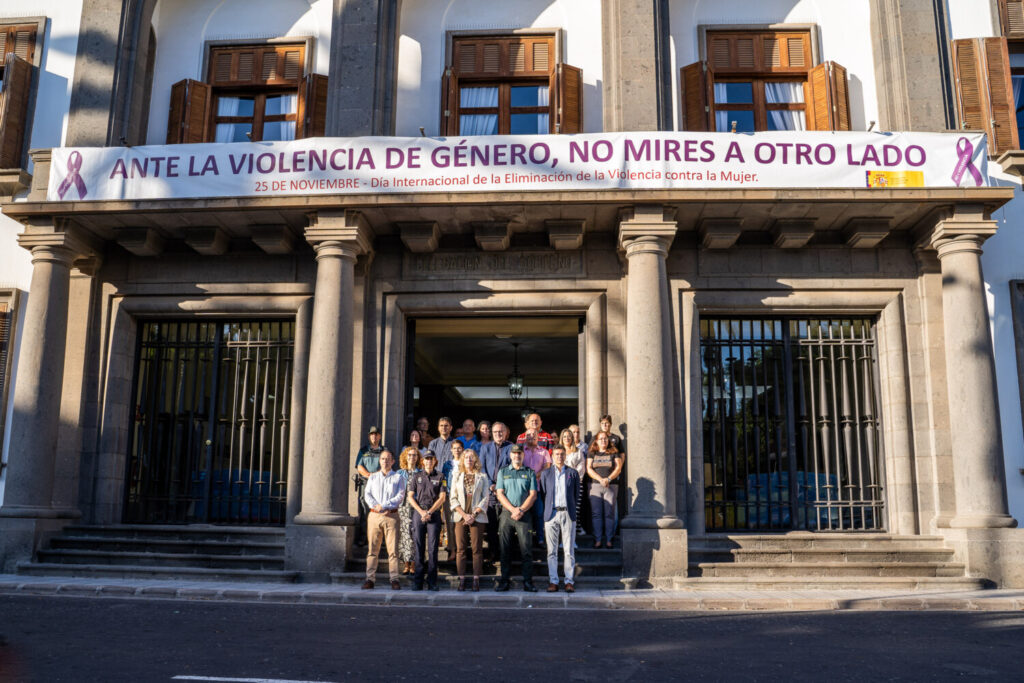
<point>210,430</point>
<point>791,435</point>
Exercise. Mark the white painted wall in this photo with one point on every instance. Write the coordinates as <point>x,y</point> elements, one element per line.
<point>183,26</point>
<point>421,49</point>
<point>970,19</point>
<point>844,37</point>
<point>49,126</point>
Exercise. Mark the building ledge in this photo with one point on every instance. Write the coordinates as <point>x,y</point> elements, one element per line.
<point>13,181</point>
<point>890,210</point>
<point>1012,162</point>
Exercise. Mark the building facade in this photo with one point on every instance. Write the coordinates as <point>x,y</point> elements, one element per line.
<point>777,358</point>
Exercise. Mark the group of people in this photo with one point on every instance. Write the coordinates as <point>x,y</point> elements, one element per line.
<point>461,490</point>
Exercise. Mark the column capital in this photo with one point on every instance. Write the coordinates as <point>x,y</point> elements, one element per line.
<point>957,229</point>
<point>347,229</point>
<point>646,228</point>
<point>57,239</point>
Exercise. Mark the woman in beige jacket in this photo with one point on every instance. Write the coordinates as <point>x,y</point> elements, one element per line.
<point>469,494</point>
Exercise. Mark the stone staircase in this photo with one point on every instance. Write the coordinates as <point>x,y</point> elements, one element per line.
<point>146,551</point>
<point>595,568</point>
<point>824,561</point>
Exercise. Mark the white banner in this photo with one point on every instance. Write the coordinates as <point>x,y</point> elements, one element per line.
<point>613,161</point>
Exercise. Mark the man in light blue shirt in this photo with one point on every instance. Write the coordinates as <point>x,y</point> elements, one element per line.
<point>468,438</point>
<point>385,492</point>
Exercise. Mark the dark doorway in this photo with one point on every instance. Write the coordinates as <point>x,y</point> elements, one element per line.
<point>460,369</point>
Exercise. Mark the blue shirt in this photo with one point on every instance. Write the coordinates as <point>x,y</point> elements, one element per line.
<point>492,460</point>
<point>470,444</point>
<point>442,449</point>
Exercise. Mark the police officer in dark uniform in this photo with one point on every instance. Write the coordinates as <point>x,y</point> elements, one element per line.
<point>427,494</point>
<point>367,463</point>
<point>517,491</point>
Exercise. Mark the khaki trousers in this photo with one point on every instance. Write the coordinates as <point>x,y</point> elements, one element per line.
<point>378,525</point>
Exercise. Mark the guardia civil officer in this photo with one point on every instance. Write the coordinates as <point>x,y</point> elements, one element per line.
<point>367,462</point>
<point>516,491</point>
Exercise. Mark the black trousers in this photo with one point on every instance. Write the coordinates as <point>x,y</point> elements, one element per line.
<point>492,530</point>
<point>364,515</point>
<point>521,528</point>
<point>425,537</point>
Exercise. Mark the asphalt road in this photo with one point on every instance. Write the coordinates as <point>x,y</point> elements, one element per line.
<point>102,639</point>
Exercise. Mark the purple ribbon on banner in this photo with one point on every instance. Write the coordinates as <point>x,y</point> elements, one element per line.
<point>73,176</point>
<point>965,151</point>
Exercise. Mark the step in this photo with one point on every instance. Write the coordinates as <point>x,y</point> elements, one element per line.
<point>182,547</point>
<point>540,567</point>
<point>487,581</point>
<point>144,572</point>
<point>759,570</point>
<point>199,532</point>
<point>145,559</point>
<point>807,539</point>
<point>830,583</point>
<point>744,555</point>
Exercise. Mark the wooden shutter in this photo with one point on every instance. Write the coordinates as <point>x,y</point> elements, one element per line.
<point>984,92</point>
<point>1011,18</point>
<point>19,39</point>
<point>449,97</point>
<point>247,65</point>
<point>312,110</point>
<point>759,51</point>
<point>828,101</point>
<point>500,56</point>
<point>190,112</point>
<point>695,96</point>
<point>568,99</point>
<point>14,98</point>
<point>5,351</point>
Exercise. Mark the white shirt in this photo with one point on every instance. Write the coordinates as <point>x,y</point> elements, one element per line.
<point>578,461</point>
<point>386,491</point>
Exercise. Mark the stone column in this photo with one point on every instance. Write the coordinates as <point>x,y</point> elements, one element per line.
<point>978,468</point>
<point>654,541</point>
<point>363,69</point>
<point>28,514</point>
<point>638,82</point>
<point>318,541</point>
<point>596,348</point>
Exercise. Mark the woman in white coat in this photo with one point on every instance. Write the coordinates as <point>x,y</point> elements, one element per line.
<point>469,493</point>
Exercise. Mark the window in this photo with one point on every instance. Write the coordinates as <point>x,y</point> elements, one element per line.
<point>985,90</point>
<point>502,85</point>
<point>17,52</point>
<point>253,93</point>
<point>763,80</point>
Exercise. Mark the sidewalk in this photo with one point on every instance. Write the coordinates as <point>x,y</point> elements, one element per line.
<point>656,599</point>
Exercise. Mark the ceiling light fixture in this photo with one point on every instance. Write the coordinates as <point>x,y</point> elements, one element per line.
<point>515,380</point>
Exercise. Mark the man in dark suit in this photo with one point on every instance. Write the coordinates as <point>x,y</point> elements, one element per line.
<point>560,486</point>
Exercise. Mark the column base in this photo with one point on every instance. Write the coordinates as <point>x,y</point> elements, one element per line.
<point>317,550</point>
<point>982,522</point>
<point>634,521</point>
<point>21,537</point>
<point>993,554</point>
<point>33,512</point>
<point>653,556</point>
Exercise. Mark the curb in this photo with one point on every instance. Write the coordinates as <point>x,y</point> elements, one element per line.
<point>649,600</point>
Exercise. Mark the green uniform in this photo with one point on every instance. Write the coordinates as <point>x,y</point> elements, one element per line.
<point>517,484</point>
<point>370,458</point>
